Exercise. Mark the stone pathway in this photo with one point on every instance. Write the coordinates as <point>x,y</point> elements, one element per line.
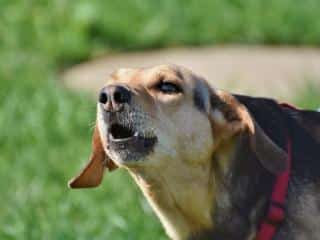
<point>261,71</point>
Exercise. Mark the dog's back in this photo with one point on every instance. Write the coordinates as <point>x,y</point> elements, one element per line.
<point>302,127</point>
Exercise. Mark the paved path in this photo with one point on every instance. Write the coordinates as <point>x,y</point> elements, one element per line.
<point>262,71</point>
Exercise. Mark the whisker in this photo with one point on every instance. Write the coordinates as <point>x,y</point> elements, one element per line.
<point>92,125</point>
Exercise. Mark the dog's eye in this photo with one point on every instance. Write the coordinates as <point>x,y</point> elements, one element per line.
<point>169,88</point>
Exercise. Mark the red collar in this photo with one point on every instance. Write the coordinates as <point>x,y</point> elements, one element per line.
<point>276,212</point>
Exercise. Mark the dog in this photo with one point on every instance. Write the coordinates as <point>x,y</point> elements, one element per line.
<point>205,159</point>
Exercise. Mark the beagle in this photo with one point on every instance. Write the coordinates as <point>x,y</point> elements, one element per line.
<point>205,159</point>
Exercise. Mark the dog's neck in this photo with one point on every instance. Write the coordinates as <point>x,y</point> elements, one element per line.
<point>182,199</point>
<point>199,200</point>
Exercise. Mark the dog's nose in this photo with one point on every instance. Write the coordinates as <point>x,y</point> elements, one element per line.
<point>114,97</point>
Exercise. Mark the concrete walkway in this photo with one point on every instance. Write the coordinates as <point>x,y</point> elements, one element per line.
<point>260,71</point>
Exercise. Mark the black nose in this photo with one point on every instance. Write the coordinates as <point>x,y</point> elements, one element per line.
<point>113,97</point>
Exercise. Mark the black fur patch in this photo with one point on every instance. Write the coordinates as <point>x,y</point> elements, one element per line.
<point>198,98</point>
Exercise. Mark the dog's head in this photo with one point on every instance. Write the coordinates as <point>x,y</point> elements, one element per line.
<point>157,116</point>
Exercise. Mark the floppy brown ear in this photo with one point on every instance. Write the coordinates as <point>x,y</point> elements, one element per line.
<point>92,174</point>
<point>229,117</point>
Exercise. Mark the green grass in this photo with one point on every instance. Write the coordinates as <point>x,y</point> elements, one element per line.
<point>45,138</point>
<point>46,130</point>
<point>309,96</point>
<point>69,31</point>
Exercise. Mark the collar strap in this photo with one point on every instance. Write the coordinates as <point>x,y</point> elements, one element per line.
<point>276,212</point>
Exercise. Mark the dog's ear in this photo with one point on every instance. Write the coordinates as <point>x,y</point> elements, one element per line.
<point>92,174</point>
<point>229,117</point>
<point>221,109</point>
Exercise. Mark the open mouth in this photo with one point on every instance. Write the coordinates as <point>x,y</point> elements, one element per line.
<point>121,137</point>
<point>121,133</point>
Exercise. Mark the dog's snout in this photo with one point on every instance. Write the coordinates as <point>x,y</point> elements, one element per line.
<point>113,97</point>
<point>103,97</point>
<point>121,95</point>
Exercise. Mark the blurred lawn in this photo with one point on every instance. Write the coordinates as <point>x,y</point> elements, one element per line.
<point>67,31</point>
<point>45,137</point>
<point>45,129</point>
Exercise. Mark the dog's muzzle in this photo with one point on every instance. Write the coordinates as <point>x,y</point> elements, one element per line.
<point>129,135</point>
